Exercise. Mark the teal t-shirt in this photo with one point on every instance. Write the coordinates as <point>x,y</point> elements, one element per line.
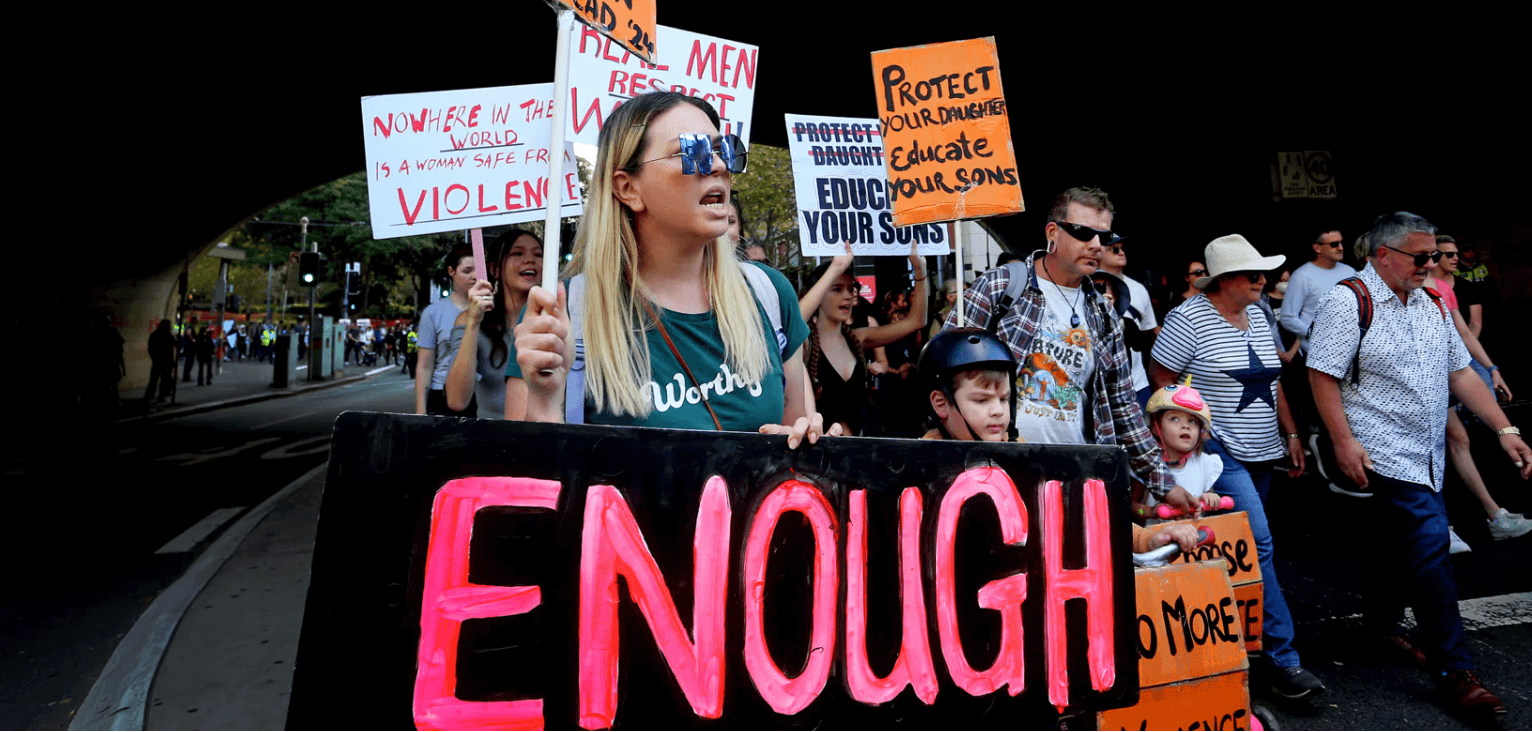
<point>675,403</point>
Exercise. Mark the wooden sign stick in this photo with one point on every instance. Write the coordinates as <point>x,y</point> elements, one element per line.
<point>555,198</point>
<point>957,246</point>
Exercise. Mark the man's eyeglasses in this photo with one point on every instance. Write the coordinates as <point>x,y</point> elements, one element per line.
<point>1083,232</point>
<point>1254,277</point>
<point>1336,244</point>
<point>697,153</point>
<point>1419,259</point>
<point>1116,248</point>
<point>1197,273</point>
<point>1450,255</point>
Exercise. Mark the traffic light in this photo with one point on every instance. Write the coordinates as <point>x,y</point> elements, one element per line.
<point>308,268</point>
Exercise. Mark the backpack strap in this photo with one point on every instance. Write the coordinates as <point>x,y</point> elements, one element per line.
<point>770,301</point>
<point>1364,319</point>
<point>1017,271</point>
<point>1436,297</point>
<point>574,384</point>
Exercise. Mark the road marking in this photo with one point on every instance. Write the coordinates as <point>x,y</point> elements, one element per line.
<point>213,453</point>
<point>123,685</point>
<point>378,370</point>
<point>1479,613</point>
<point>310,446</point>
<point>190,538</point>
<point>285,419</point>
<point>300,368</point>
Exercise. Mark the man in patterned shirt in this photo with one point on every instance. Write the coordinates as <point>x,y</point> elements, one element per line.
<point>1384,400</point>
<point>1074,385</point>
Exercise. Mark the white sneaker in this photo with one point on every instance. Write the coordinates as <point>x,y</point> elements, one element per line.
<point>1458,545</point>
<point>1507,525</point>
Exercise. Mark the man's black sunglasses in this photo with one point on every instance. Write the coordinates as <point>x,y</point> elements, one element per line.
<point>1420,259</point>
<point>1085,233</point>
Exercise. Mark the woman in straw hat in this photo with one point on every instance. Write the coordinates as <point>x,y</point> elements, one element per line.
<point>1222,339</point>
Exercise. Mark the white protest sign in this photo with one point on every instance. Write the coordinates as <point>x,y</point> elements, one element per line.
<point>842,189</point>
<point>462,159</point>
<point>602,75</point>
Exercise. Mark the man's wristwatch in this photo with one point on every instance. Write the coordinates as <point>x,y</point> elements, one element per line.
<point>1507,431</point>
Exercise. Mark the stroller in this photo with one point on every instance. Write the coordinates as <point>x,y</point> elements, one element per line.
<point>369,355</point>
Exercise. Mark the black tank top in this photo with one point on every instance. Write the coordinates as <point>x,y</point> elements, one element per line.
<point>842,400</point>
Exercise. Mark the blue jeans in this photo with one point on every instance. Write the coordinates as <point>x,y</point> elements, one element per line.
<point>1247,486</point>
<point>1407,550</point>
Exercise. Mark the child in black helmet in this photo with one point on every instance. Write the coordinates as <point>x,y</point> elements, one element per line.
<point>967,375</point>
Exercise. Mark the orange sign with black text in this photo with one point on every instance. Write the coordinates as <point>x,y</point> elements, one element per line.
<point>629,22</point>
<point>1189,624</point>
<point>1214,703</point>
<point>1236,545</point>
<point>946,134</point>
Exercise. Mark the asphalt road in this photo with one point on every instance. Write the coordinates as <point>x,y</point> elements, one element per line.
<point>88,514</point>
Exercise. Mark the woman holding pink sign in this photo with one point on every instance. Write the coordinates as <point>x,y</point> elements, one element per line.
<point>659,325</point>
<point>495,305</point>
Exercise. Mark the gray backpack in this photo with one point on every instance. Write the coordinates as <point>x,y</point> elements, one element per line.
<point>574,384</point>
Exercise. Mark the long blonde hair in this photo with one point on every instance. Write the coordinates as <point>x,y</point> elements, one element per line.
<point>606,251</point>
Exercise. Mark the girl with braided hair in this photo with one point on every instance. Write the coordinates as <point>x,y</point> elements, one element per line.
<point>835,358</point>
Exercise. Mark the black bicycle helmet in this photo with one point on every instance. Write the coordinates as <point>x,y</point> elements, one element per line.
<point>963,349</point>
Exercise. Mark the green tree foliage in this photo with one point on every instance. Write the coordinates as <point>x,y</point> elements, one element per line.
<point>396,273</point>
<point>767,198</point>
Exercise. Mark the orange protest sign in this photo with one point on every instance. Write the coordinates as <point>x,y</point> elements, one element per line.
<point>1248,598</point>
<point>1189,624</point>
<point>946,133</point>
<point>1220,702</point>
<point>1234,543</point>
<point>629,22</point>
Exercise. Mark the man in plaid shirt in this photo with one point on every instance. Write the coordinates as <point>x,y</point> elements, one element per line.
<point>1075,384</point>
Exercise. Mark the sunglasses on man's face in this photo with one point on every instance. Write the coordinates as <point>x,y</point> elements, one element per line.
<point>697,153</point>
<point>1084,233</point>
<point>1254,277</point>
<point>1335,244</point>
<point>1419,259</point>
<point>1197,273</point>
<point>1116,248</point>
<point>1449,255</point>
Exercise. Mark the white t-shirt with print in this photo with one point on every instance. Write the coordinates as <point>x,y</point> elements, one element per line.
<point>1050,390</point>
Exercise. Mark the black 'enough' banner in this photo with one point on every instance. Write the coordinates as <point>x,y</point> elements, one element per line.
<point>480,574</point>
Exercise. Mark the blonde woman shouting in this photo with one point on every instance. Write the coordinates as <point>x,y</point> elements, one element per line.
<point>672,330</point>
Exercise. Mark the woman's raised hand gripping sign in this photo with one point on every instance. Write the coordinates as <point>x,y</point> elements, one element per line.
<point>544,353</point>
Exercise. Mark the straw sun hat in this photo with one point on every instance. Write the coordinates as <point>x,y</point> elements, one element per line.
<point>1233,253</point>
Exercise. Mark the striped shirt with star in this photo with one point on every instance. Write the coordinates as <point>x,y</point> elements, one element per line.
<point>1235,370</point>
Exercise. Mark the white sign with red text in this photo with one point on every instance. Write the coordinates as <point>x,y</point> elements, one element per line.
<point>461,159</point>
<point>602,75</point>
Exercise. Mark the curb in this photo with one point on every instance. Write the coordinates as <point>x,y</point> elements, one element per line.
<point>120,697</point>
<point>240,401</point>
